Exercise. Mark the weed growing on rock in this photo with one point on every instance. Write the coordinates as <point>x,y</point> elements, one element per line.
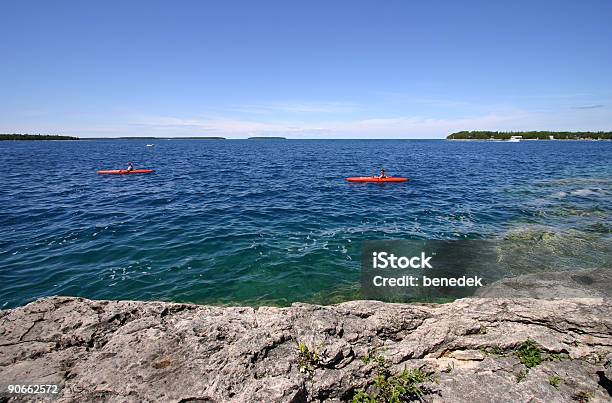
<point>554,381</point>
<point>307,359</point>
<point>450,367</point>
<point>407,385</point>
<point>378,359</point>
<point>558,356</point>
<point>529,354</point>
<point>362,397</point>
<point>393,388</point>
<point>522,375</point>
<point>495,350</point>
<point>582,397</point>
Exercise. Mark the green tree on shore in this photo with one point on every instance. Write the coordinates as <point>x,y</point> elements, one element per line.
<point>530,135</point>
<point>15,136</point>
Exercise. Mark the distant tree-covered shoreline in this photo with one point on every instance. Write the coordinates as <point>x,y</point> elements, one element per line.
<point>15,136</point>
<point>533,135</point>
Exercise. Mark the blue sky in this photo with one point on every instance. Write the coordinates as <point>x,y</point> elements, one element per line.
<point>308,69</point>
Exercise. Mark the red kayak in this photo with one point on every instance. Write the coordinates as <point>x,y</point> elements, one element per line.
<point>125,171</point>
<point>375,179</point>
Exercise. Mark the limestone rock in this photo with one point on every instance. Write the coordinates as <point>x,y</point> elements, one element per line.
<point>154,351</point>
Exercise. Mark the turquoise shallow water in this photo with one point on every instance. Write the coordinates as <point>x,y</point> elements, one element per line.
<point>273,222</point>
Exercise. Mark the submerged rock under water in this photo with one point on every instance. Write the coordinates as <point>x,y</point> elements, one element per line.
<point>587,283</point>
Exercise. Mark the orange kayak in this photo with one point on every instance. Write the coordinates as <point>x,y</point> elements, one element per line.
<point>374,179</point>
<point>125,171</point>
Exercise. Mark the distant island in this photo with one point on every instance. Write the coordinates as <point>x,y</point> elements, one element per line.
<point>532,135</point>
<point>267,138</point>
<point>198,138</point>
<point>16,136</point>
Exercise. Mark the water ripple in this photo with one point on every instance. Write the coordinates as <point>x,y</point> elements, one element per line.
<point>273,222</point>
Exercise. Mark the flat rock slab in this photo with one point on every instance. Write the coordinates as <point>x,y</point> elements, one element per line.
<point>123,351</point>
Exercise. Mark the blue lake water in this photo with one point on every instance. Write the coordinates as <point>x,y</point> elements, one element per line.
<point>272,222</point>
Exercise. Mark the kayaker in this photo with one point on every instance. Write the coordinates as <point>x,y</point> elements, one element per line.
<point>382,174</point>
<point>130,167</point>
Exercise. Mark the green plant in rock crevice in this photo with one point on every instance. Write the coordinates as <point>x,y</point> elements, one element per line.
<point>529,354</point>
<point>554,380</point>
<point>582,397</point>
<point>494,350</point>
<point>393,388</point>
<point>522,375</point>
<point>558,356</point>
<point>378,359</point>
<point>450,367</point>
<point>308,359</point>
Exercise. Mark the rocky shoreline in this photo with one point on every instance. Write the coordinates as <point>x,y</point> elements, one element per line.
<point>476,350</point>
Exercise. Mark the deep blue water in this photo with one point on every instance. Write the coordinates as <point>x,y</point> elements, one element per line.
<point>257,222</point>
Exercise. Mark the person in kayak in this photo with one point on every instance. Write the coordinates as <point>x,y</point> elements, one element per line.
<point>382,174</point>
<point>130,167</point>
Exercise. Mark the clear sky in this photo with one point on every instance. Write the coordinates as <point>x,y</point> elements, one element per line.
<point>304,69</point>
